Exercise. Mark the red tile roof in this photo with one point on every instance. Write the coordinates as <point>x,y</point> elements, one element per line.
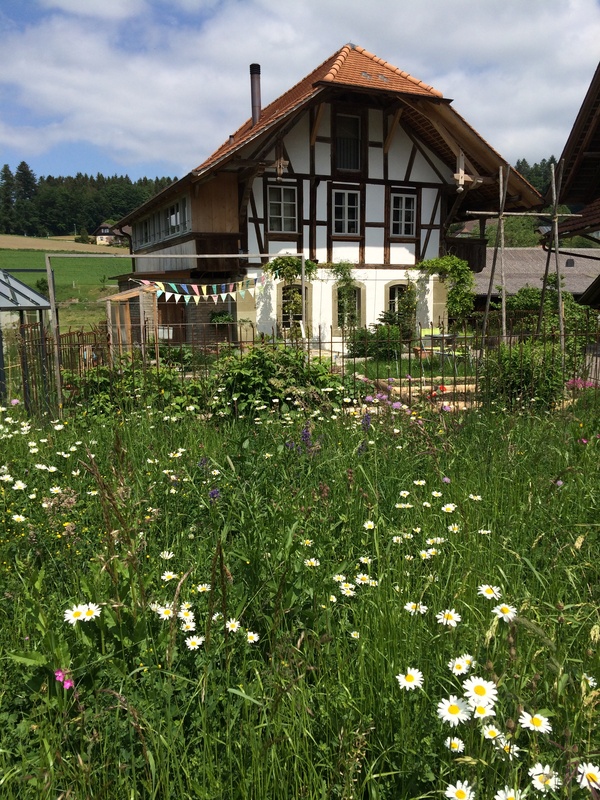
<point>351,66</point>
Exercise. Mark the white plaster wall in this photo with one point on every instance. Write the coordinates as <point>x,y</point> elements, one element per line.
<point>345,251</point>
<point>398,155</point>
<point>422,171</point>
<point>402,253</point>
<point>297,145</point>
<point>374,245</point>
<point>375,204</point>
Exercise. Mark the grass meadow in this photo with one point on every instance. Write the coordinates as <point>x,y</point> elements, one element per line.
<point>391,606</point>
<point>80,282</point>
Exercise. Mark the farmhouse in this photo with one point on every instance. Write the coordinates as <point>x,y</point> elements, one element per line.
<point>359,162</point>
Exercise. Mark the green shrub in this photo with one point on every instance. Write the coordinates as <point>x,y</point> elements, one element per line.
<point>378,341</point>
<point>268,374</point>
<point>529,373</point>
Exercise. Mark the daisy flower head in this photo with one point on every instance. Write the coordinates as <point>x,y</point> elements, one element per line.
<point>436,494</point>
<point>354,635</point>
<point>469,660</point>
<point>365,559</point>
<point>362,579</point>
<point>505,612</point>
<point>491,732</point>
<point>543,778</point>
<point>460,791</point>
<point>91,611</point>
<point>588,682</point>
<point>165,612</point>
<point>339,578</point>
<point>481,710</point>
<point>404,493</point>
<point>480,690</point>
<point>489,592</point>
<point>411,679</point>
<point>508,794</point>
<point>75,614</point>
<point>535,722</point>
<point>454,744</point>
<point>202,588</point>
<point>166,554</point>
<point>311,562</point>
<point>168,576</point>
<point>448,617</point>
<point>458,666</point>
<point>448,508</point>
<point>588,776</point>
<point>252,637</point>
<point>419,483</point>
<point>507,747</point>
<point>403,505</point>
<point>232,625</point>
<point>186,614</point>
<point>454,528</point>
<point>347,591</point>
<point>415,608</point>
<point>194,642</point>
<point>18,518</point>
<point>453,710</point>
<point>474,497</point>
<point>369,525</point>
<point>188,625</point>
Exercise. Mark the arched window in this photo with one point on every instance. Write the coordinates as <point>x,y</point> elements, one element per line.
<point>395,291</point>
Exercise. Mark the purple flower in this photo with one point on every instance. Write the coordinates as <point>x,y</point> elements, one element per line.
<point>397,405</point>
<point>59,675</point>
<point>366,422</point>
<point>445,479</point>
<point>214,495</point>
<point>582,441</point>
<point>68,684</point>
<point>305,435</point>
<point>446,408</point>
<point>369,398</point>
<point>559,483</point>
<point>14,402</point>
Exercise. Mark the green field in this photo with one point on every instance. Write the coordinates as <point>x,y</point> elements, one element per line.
<point>80,282</point>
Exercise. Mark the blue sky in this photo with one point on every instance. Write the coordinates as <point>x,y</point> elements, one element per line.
<point>152,87</point>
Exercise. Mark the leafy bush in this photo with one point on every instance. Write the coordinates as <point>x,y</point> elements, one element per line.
<point>121,388</point>
<point>530,373</point>
<point>268,374</point>
<point>378,341</point>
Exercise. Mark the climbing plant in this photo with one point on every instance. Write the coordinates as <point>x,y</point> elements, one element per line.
<point>460,280</point>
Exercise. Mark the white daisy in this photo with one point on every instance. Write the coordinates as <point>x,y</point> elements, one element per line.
<point>490,592</point>
<point>535,722</point>
<point>454,744</point>
<point>543,778</point>
<point>411,679</point>
<point>460,791</point>
<point>508,794</point>
<point>505,612</point>
<point>480,690</point>
<point>453,710</point>
<point>194,642</point>
<point>448,617</point>
<point>588,776</point>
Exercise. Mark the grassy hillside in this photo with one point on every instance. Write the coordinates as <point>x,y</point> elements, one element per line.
<point>80,282</point>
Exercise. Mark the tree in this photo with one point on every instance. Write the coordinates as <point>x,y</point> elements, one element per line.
<point>7,199</point>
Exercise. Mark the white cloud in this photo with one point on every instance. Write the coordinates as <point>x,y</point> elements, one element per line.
<point>159,86</point>
<point>102,9</point>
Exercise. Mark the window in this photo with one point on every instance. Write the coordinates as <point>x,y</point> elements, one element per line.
<point>403,215</point>
<point>347,142</point>
<point>283,215</point>
<point>348,308</point>
<point>291,306</point>
<point>394,294</point>
<point>171,220</point>
<point>346,213</point>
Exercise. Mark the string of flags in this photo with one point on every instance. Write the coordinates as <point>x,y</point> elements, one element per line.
<point>210,291</point>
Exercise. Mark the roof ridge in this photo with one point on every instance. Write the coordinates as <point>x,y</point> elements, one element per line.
<point>337,64</point>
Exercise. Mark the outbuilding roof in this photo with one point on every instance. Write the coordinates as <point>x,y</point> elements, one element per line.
<point>17,296</point>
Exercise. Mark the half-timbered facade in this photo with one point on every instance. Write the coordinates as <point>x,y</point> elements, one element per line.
<point>358,162</point>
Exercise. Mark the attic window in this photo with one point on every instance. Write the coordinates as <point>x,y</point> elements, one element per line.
<point>383,78</point>
<point>367,75</point>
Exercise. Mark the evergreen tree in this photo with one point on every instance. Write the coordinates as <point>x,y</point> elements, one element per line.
<point>7,199</point>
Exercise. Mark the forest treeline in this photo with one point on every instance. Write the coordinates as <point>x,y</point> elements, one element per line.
<point>49,206</point>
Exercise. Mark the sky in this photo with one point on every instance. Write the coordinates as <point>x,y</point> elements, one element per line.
<point>152,87</point>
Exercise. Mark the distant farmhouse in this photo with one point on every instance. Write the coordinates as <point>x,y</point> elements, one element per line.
<point>358,162</point>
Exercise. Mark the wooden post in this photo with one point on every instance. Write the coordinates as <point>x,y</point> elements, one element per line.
<point>55,334</point>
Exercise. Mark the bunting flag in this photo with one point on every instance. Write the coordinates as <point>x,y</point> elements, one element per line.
<point>217,292</point>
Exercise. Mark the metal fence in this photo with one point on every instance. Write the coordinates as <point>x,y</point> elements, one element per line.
<point>455,369</point>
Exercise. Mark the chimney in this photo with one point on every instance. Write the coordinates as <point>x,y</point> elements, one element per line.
<point>255,91</point>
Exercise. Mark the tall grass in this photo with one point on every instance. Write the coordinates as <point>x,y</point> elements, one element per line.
<point>268,512</point>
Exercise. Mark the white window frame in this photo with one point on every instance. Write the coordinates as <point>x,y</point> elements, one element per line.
<point>344,224</point>
<point>282,202</point>
<point>403,218</point>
